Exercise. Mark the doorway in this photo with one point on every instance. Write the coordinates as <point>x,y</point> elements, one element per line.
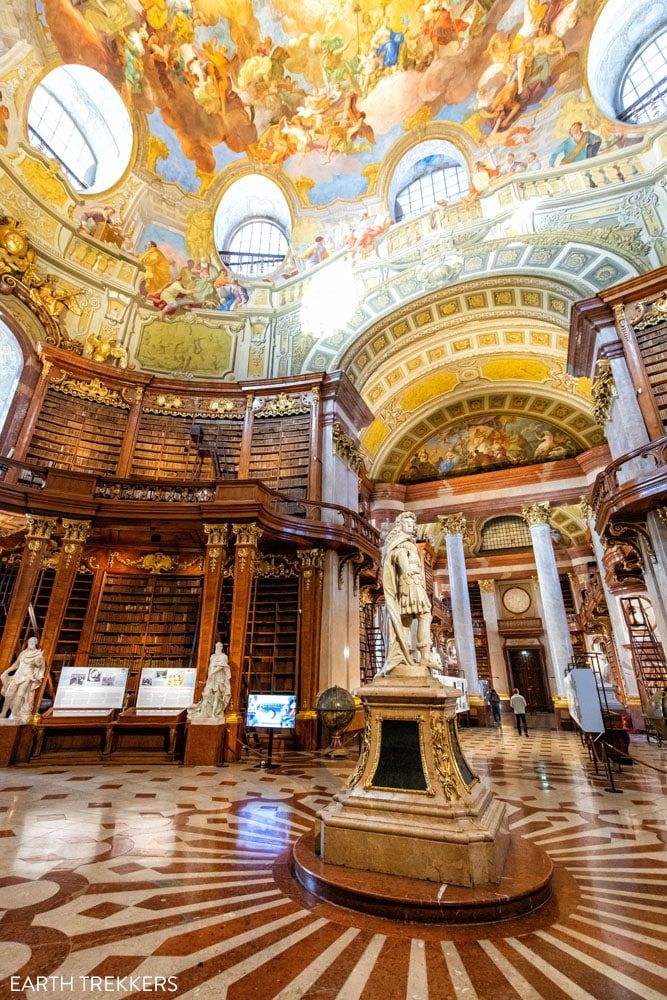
<point>528,675</point>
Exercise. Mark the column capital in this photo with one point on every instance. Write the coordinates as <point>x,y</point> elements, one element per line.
<point>537,513</point>
<point>662,514</point>
<point>40,528</point>
<point>74,530</point>
<point>586,508</point>
<point>310,559</point>
<point>452,524</point>
<point>487,586</point>
<point>216,534</point>
<point>247,534</point>
<point>603,391</point>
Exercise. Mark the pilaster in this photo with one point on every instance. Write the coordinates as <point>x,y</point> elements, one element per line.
<point>499,679</point>
<point>36,546</point>
<point>245,552</point>
<point>214,568</point>
<point>311,567</point>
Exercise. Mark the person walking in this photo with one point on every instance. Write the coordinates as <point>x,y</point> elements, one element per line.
<point>494,705</point>
<point>518,703</point>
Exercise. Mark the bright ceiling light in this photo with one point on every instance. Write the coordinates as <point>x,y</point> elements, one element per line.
<point>329,299</point>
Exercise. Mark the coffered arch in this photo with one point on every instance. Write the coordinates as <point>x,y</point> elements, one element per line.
<point>389,447</point>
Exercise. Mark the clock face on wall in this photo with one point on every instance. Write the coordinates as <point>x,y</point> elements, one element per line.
<point>516,600</point>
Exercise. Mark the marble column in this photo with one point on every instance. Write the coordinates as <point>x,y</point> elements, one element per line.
<point>499,679</point>
<point>340,643</point>
<point>619,630</point>
<point>655,568</point>
<point>453,526</point>
<point>553,608</point>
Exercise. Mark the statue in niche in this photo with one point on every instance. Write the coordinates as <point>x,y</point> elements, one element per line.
<point>20,681</point>
<point>600,650</point>
<point>406,598</point>
<point>217,690</point>
<point>452,655</point>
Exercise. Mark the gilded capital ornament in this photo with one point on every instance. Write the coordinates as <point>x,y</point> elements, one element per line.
<point>487,586</point>
<point>311,558</point>
<point>247,534</point>
<point>586,508</point>
<point>346,448</point>
<point>603,391</point>
<point>662,514</point>
<point>75,530</point>
<point>216,534</point>
<point>40,528</point>
<point>452,524</point>
<point>537,513</point>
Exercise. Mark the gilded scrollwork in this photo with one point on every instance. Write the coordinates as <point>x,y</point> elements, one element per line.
<point>347,448</point>
<point>281,406</point>
<point>94,389</point>
<point>443,758</point>
<point>603,391</point>
<point>275,567</point>
<point>363,753</point>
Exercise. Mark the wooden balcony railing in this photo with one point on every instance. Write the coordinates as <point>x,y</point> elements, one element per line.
<point>618,488</point>
<point>104,498</point>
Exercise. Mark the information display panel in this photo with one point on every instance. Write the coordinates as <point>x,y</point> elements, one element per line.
<point>84,688</point>
<point>271,711</point>
<point>166,687</point>
<point>461,683</point>
<point>583,701</point>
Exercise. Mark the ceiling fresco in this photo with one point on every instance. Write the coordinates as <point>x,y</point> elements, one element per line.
<point>492,442</point>
<point>322,89</point>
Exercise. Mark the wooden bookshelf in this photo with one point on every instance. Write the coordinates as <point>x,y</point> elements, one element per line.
<point>280,453</point>
<point>146,621</point>
<point>165,449</point>
<point>271,643</point>
<point>79,434</point>
<point>72,626</point>
<point>479,634</point>
<point>39,604</point>
<point>219,442</point>
<point>223,627</point>
<point>8,573</point>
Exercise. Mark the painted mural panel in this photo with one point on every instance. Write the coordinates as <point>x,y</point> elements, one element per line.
<point>324,88</point>
<point>479,445</point>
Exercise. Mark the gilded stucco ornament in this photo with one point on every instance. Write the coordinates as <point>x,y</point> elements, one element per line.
<point>586,509</point>
<point>94,390</point>
<point>104,348</point>
<point>603,391</point>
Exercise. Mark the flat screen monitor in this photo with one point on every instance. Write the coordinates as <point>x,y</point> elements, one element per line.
<point>271,711</point>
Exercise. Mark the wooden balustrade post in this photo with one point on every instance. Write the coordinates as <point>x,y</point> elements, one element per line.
<point>214,569</point>
<point>131,431</point>
<point>315,468</point>
<point>71,550</point>
<point>247,536</point>
<point>36,547</point>
<point>246,439</point>
<point>311,571</point>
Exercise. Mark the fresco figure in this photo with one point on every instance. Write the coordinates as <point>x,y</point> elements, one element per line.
<point>4,118</point>
<point>580,144</point>
<point>390,49</point>
<point>315,253</point>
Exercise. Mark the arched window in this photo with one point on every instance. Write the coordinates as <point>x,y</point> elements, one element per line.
<point>252,226</point>
<point>643,91</point>
<point>507,532</point>
<point>11,366</point>
<point>257,247</point>
<point>77,118</point>
<point>430,172</point>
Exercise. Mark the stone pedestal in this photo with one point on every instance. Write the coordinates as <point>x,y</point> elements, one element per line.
<point>9,737</point>
<point>205,744</point>
<point>413,806</point>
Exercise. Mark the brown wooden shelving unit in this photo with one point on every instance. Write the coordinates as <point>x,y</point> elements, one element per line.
<point>272,638</point>
<point>79,434</point>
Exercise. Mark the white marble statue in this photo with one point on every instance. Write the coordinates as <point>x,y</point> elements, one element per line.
<point>217,690</point>
<point>452,656</point>
<point>20,681</point>
<point>406,599</point>
<point>603,661</point>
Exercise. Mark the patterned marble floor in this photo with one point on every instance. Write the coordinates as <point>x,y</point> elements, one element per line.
<point>126,872</point>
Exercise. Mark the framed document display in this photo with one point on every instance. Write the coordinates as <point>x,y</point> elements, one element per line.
<point>82,688</point>
<point>166,687</point>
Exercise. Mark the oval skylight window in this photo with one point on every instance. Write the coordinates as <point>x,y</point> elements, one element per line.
<point>77,118</point>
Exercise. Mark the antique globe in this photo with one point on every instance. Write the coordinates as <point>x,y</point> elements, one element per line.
<point>336,708</point>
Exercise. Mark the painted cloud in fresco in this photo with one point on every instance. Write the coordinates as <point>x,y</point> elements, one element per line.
<point>478,445</point>
<point>312,85</point>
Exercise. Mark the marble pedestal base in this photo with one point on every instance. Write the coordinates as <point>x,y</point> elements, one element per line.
<point>205,744</point>
<point>413,806</point>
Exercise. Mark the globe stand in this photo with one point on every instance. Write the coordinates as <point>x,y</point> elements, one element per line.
<point>336,749</point>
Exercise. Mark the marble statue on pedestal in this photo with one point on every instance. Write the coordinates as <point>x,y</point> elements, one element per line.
<point>217,690</point>
<point>20,681</point>
<point>406,598</point>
